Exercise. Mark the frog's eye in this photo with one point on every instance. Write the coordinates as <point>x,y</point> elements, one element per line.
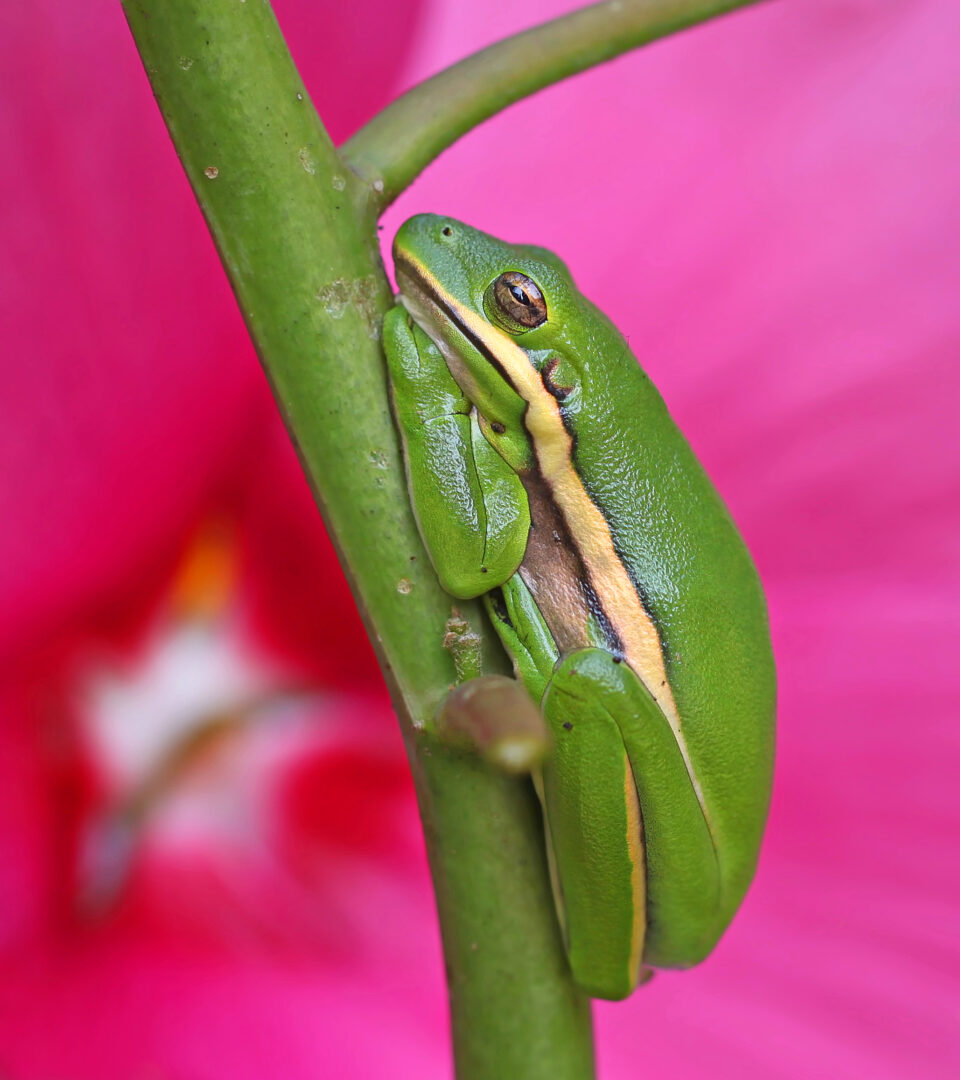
<point>520,300</point>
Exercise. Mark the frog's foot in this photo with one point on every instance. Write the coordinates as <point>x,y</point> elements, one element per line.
<point>524,634</point>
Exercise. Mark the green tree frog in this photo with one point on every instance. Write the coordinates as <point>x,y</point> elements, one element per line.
<point>547,476</point>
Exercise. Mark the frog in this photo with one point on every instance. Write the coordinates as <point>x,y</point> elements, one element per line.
<point>548,478</point>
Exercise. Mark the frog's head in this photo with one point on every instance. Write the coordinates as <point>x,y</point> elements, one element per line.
<point>500,314</point>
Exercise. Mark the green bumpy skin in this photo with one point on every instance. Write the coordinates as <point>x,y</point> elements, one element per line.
<point>547,475</point>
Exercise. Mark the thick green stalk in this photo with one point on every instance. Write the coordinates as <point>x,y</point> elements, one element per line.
<point>296,232</point>
<point>399,142</point>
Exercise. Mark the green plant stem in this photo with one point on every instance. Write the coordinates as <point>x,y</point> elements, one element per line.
<point>399,142</point>
<point>296,231</point>
<point>297,235</point>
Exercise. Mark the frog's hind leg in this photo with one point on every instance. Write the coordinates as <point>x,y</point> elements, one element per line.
<point>470,505</point>
<point>633,859</point>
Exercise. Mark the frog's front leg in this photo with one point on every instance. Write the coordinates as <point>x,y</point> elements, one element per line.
<point>470,505</point>
<point>633,861</point>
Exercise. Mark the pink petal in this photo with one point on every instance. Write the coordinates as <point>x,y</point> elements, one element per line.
<point>131,385</point>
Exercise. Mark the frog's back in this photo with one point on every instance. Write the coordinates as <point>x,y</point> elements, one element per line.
<point>698,584</point>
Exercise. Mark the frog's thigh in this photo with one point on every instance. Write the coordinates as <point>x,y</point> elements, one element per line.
<point>593,836</point>
<point>672,838</point>
<point>470,506</point>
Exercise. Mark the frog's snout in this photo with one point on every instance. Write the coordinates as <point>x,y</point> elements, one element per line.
<point>424,232</point>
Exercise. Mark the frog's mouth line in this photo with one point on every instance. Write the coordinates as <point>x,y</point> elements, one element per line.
<point>414,296</point>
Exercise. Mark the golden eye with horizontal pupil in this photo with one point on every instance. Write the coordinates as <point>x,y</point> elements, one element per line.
<point>520,299</point>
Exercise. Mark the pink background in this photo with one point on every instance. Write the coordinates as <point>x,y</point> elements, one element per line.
<point>768,207</point>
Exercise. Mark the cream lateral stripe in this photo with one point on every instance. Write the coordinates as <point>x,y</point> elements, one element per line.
<point>638,878</point>
<point>588,527</point>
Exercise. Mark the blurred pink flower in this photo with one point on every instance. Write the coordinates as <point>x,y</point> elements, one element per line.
<point>767,207</point>
<point>134,410</point>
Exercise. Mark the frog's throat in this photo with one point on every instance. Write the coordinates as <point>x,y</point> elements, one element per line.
<point>586,526</point>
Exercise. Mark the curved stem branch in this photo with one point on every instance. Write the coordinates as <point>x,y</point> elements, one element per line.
<point>399,142</point>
